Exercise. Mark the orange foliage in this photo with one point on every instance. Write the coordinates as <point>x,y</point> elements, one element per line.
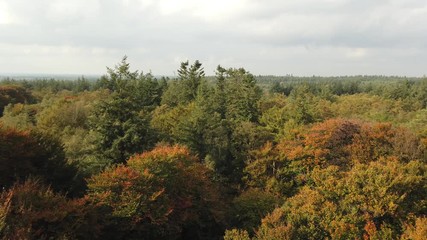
<point>345,142</point>
<point>370,230</point>
<point>383,140</point>
<point>416,231</point>
<point>33,211</point>
<point>123,188</point>
<point>166,187</point>
<point>322,145</point>
<point>180,153</point>
<point>282,168</point>
<point>273,227</point>
<point>166,151</point>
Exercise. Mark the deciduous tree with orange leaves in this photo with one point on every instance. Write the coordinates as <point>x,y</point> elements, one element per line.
<point>165,192</point>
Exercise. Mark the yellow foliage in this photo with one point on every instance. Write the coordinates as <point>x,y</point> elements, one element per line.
<point>417,231</point>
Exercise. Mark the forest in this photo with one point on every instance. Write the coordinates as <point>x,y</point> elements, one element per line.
<point>232,156</point>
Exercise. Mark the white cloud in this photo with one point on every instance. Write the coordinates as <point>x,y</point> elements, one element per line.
<point>357,53</point>
<point>6,17</point>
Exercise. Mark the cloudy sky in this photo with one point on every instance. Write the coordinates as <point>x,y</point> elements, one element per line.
<point>278,37</point>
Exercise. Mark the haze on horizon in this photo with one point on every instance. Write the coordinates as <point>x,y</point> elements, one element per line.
<point>271,37</point>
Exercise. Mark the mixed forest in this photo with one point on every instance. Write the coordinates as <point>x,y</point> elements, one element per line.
<point>232,156</point>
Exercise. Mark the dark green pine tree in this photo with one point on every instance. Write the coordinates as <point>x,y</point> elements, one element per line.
<point>122,120</point>
<point>185,89</point>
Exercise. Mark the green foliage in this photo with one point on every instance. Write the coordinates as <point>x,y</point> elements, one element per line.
<point>122,129</point>
<point>344,157</point>
<point>185,88</point>
<point>67,116</point>
<point>228,118</point>
<point>236,234</point>
<point>245,138</point>
<point>409,90</point>
<point>274,115</point>
<point>250,207</point>
<point>418,123</point>
<point>122,120</point>
<point>241,95</point>
<point>283,116</point>
<point>191,77</point>
<point>167,121</point>
<point>66,111</point>
<point>300,101</point>
<point>370,107</point>
<point>50,85</point>
<point>21,116</point>
<point>271,171</point>
<point>80,150</point>
<point>141,88</point>
<point>13,94</point>
<point>218,123</point>
<point>420,92</point>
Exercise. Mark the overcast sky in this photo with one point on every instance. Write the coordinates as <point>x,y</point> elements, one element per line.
<point>277,37</point>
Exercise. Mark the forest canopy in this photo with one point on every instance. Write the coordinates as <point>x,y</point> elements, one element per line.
<point>229,156</point>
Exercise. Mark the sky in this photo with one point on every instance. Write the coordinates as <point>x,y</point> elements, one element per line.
<point>266,37</point>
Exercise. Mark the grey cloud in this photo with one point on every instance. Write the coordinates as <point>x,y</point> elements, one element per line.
<point>286,32</point>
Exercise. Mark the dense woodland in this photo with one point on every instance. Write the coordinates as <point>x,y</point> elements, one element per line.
<point>232,156</point>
